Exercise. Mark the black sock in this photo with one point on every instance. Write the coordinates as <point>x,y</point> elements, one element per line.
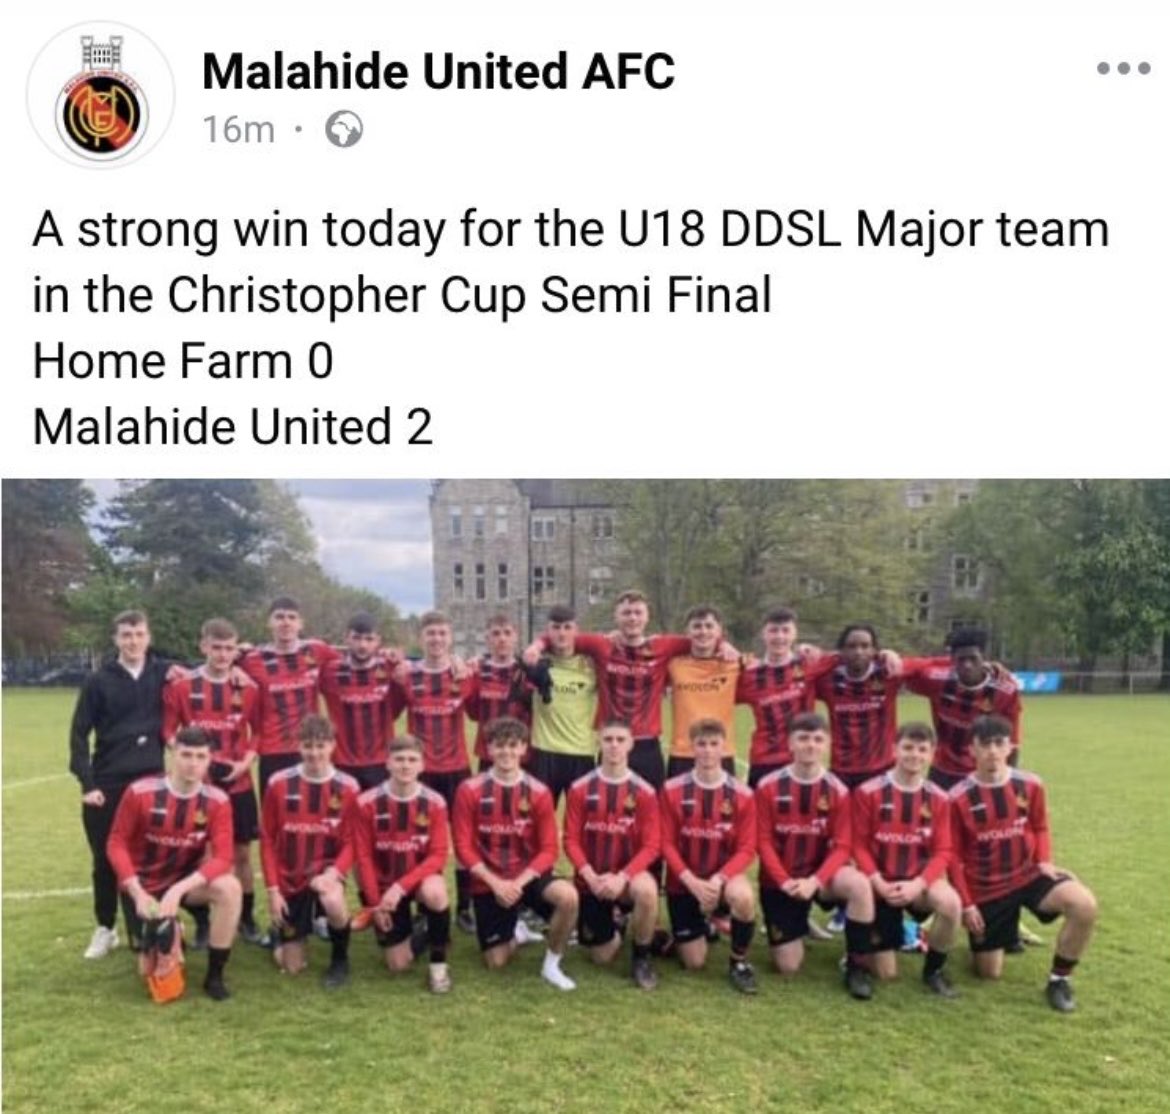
<point>463,890</point>
<point>858,936</point>
<point>641,951</point>
<point>216,961</point>
<point>248,912</point>
<point>438,934</point>
<point>202,916</point>
<point>934,962</point>
<point>339,939</point>
<point>741,938</point>
<point>1062,968</point>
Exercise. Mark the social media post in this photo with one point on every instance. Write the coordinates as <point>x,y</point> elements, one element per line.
<point>778,240</point>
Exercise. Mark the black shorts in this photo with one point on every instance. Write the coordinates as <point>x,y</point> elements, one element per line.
<point>676,767</point>
<point>647,762</point>
<point>245,817</point>
<point>1001,917</point>
<point>272,764</point>
<point>757,773</point>
<point>887,924</point>
<point>786,917</point>
<point>401,926</point>
<point>367,777</point>
<point>687,920</point>
<point>303,909</point>
<point>495,925</point>
<point>853,779</point>
<point>445,784</point>
<point>559,771</point>
<point>944,780</point>
<point>595,919</point>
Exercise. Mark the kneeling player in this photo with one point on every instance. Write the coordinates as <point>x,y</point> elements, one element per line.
<point>902,842</point>
<point>805,837</point>
<point>171,845</point>
<point>612,839</point>
<point>506,837</point>
<point>399,834</point>
<point>304,853</point>
<point>1003,861</point>
<point>709,840</point>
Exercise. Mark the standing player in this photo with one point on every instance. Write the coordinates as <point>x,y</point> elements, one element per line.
<point>171,845</point>
<point>502,685</point>
<point>805,842</point>
<point>436,696</point>
<point>1003,861</point>
<point>304,851</point>
<point>362,700</point>
<point>506,837</point>
<point>612,838</point>
<point>224,704</point>
<point>709,840</point>
<point>902,843</point>
<point>399,834</point>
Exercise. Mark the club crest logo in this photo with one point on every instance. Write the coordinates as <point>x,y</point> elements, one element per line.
<point>421,821</point>
<point>102,112</point>
<point>726,809</point>
<point>631,804</point>
<point>201,819</point>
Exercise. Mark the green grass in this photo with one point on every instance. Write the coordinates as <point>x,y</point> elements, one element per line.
<point>84,1037</point>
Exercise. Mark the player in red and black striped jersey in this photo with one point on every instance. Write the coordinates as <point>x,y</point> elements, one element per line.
<point>962,688</point>
<point>224,704</point>
<point>612,838</point>
<point>400,843</point>
<point>902,843</point>
<point>502,687</point>
<point>1003,861</point>
<point>776,689</point>
<point>506,837</point>
<point>708,841</point>
<point>363,701</point>
<point>171,844</point>
<point>306,853</point>
<point>805,842</point>
<point>287,670</point>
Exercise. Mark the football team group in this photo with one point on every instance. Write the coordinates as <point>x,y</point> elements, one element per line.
<point>884,823</point>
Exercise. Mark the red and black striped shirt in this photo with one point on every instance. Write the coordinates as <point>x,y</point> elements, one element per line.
<point>397,840</point>
<point>302,827</point>
<point>507,828</point>
<point>288,690</point>
<point>228,712</point>
<point>436,704</point>
<point>863,713</point>
<point>363,703</point>
<point>612,826</point>
<point>163,837</point>
<point>776,693</point>
<point>901,833</point>
<point>502,690</point>
<point>705,830</point>
<point>804,827</point>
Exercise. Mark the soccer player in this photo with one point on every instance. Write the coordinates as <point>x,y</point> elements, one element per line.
<point>287,670</point>
<point>502,687</point>
<point>171,845</point>
<point>776,689</point>
<point>223,703</point>
<point>506,837</point>
<point>805,842</point>
<point>902,843</point>
<point>961,690</point>
<point>121,705</point>
<point>612,838</point>
<point>399,834</point>
<point>304,851</point>
<point>362,700</point>
<point>564,739</point>
<point>702,686</point>
<point>1003,861</point>
<point>709,840</point>
<point>436,696</point>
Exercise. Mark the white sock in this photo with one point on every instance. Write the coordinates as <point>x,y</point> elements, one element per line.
<point>551,972</point>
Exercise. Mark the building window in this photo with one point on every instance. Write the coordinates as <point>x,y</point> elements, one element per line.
<point>480,582</point>
<point>966,576</point>
<point>456,522</point>
<point>920,608</point>
<point>502,580</point>
<point>457,580</point>
<point>964,492</point>
<point>600,584</point>
<point>918,540</point>
<point>543,581</point>
<point>501,520</point>
<point>478,528</point>
<point>920,495</point>
<point>544,528</point>
<point>603,525</point>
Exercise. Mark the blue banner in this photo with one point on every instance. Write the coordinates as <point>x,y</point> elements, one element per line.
<point>1038,682</point>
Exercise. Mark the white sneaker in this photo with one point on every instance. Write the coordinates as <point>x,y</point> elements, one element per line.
<point>817,931</point>
<point>321,928</point>
<point>551,972</point>
<point>524,935</point>
<point>439,978</point>
<point>103,941</point>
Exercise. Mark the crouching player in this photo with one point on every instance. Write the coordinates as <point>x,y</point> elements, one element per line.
<point>506,837</point>
<point>709,840</point>
<point>399,835</point>
<point>171,845</point>
<point>612,839</point>
<point>305,854</point>
<point>805,843</point>
<point>902,843</point>
<point>1003,861</point>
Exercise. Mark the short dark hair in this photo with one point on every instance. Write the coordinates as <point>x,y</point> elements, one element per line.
<point>922,732</point>
<point>701,611</point>
<point>632,595</point>
<point>991,727</point>
<point>284,603</point>
<point>807,721</point>
<point>362,623</point>
<point>614,721</point>
<point>405,742</point>
<point>433,619</point>
<point>219,629</point>
<point>499,619</point>
<point>131,618</point>
<point>780,615</point>
<point>504,728</point>
<point>315,729</point>
<point>967,637</point>
<point>848,630</point>
<point>192,737</point>
<point>562,613</point>
<point>705,728</point>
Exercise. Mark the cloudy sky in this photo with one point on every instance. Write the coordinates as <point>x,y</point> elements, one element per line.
<point>371,533</point>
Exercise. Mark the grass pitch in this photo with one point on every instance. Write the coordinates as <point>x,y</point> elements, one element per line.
<point>83,1036</point>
